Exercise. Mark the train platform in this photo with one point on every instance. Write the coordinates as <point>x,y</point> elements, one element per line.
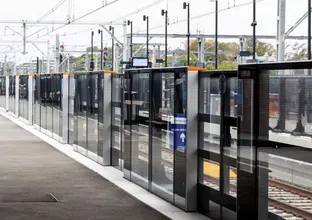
<point>43,179</point>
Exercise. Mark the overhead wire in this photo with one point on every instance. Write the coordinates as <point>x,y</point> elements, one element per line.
<point>81,17</point>
<point>202,15</point>
<point>138,10</point>
<point>59,4</point>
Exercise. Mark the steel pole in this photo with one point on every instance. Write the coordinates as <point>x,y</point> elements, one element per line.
<point>101,49</point>
<point>113,48</point>
<point>188,34</point>
<point>166,39</point>
<point>91,63</point>
<point>131,39</point>
<point>147,36</point>
<point>254,23</point>
<point>216,37</point>
<point>309,31</point>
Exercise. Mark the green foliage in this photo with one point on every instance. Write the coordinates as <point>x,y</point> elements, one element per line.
<point>261,47</point>
<point>300,52</point>
<point>226,65</point>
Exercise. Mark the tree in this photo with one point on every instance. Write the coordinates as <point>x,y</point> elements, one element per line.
<point>261,47</point>
<point>299,52</point>
<point>226,65</point>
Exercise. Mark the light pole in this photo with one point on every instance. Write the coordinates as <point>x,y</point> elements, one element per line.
<point>187,6</point>
<point>131,37</point>
<point>165,13</point>
<point>309,30</point>
<point>254,24</point>
<point>101,32</point>
<point>216,33</point>
<point>92,62</point>
<point>145,18</point>
<point>112,29</point>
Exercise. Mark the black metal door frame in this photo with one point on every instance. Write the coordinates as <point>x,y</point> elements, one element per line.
<point>205,193</point>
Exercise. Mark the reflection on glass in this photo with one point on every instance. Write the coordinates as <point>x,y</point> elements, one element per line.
<point>139,128</point>
<point>231,98</point>
<point>116,120</point>
<point>210,96</point>
<point>230,180</point>
<point>71,110</point>
<point>211,174</point>
<point>12,94</point>
<point>44,101</point>
<point>56,103</point>
<point>92,113</point>
<point>37,101</point>
<point>284,177</point>
<point>49,103</point>
<point>162,134</point>
<point>211,137</point>
<point>23,96</point>
<point>82,91</point>
<point>230,142</point>
<point>2,91</point>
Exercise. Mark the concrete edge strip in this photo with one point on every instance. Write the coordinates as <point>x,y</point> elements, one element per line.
<point>112,175</point>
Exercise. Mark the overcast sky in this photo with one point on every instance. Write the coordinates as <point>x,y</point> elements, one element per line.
<point>235,20</point>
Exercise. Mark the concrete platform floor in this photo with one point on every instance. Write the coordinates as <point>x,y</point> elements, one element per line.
<point>31,170</point>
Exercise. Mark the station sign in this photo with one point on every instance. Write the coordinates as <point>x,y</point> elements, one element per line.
<point>177,136</point>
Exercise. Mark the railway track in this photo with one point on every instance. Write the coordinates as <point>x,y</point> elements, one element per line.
<point>287,201</point>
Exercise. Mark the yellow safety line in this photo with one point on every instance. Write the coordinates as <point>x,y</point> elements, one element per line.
<point>109,72</point>
<point>67,73</point>
<point>193,68</point>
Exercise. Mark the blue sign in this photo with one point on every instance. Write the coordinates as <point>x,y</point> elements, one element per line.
<point>177,136</point>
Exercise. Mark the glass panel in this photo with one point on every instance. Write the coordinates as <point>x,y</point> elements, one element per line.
<point>231,98</point>
<point>82,96</point>
<point>44,100</point>
<point>117,122</point>
<point>210,96</point>
<point>308,109</point>
<point>211,136</point>
<point>92,113</point>
<point>101,94</point>
<point>49,103</point>
<point>126,137</point>
<point>139,128</point>
<point>57,113</point>
<point>37,98</point>
<point>210,175</point>
<point>163,139</point>
<point>284,172</point>
<point>71,109</point>
<point>2,91</point>
<point>230,180</point>
<point>12,94</point>
<point>274,101</point>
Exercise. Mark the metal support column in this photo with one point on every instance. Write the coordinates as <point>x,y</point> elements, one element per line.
<point>201,50</point>
<point>281,17</point>
<point>48,57</point>
<point>24,38</point>
<point>125,45</point>
<point>216,37</point>
<point>57,54</point>
<point>30,98</point>
<point>254,24</point>
<point>309,33</point>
